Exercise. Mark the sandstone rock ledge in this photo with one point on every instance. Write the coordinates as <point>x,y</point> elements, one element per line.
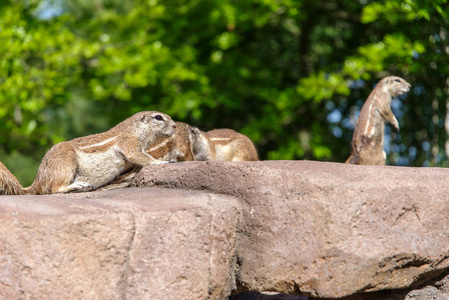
<point>121,244</point>
<point>205,230</point>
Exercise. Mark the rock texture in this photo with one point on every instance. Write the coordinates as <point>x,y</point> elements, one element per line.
<point>133,244</point>
<point>253,230</point>
<point>327,229</point>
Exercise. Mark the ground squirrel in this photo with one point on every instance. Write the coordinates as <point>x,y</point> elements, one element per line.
<point>368,138</point>
<point>222,145</point>
<point>89,162</point>
<point>177,148</point>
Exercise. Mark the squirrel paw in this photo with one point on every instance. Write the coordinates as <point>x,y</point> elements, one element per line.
<point>160,162</point>
<point>79,186</point>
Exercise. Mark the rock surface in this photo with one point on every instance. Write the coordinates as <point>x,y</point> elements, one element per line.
<point>208,229</point>
<point>133,244</point>
<point>327,229</point>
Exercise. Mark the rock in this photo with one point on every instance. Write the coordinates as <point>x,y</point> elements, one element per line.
<point>438,291</point>
<point>327,229</point>
<point>279,230</point>
<point>122,244</point>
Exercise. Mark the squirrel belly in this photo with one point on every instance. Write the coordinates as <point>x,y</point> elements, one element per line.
<point>89,162</point>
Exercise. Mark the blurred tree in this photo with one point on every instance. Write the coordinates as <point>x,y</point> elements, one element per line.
<point>290,74</point>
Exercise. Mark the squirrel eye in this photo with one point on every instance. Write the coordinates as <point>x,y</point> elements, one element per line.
<point>159,117</point>
<point>397,80</point>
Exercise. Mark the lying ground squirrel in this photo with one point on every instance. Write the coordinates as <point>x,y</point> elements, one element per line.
<point>89,162</point>
<point>222,145</point>
<point>177,148</point>
<point>368,138</point>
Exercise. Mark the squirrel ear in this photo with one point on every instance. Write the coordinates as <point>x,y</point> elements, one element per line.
<point>142,119</point>
<point>387,81</point>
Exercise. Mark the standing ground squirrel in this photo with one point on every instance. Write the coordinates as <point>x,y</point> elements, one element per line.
<point>222,145</point>
<point>368,138</point>
<point>89,162</point>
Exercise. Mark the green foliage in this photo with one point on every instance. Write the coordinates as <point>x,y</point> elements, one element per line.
<point>409,10</point>
<point>274,70</point>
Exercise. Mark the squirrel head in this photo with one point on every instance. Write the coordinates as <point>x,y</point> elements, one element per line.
<point>155,122</point>
<point>395,85</point>
<point>197,139</point>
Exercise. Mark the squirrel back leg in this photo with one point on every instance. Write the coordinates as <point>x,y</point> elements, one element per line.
<point>57,172</point>
<point>352,159</point>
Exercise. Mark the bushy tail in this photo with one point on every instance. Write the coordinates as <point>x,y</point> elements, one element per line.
<point>9,185</point>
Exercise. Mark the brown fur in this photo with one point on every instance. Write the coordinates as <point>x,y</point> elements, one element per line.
<point>177,149</point>
<point>368,138</point>
<point>89,162</point>
<point>222,145</point>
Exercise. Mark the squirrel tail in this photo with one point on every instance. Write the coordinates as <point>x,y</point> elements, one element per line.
<point>9,185</point>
